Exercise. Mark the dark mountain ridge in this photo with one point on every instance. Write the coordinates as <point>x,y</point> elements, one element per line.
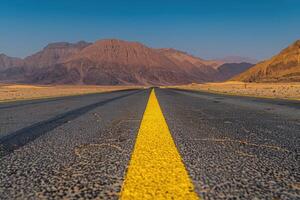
<point>112,62</point>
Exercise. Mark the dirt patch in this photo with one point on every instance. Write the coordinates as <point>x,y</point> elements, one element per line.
<point>267,90</point>
<point>16,92</point>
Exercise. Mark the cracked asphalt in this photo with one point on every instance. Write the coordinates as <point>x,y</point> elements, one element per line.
<point>79,147</point>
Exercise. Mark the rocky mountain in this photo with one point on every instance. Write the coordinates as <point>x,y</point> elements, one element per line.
<point>7,62</point>
<point>283,67</point>
<point>183,58</point>
<point>113,62</point>
<point>119,62</point>
<point>54,53</point>
<point>192,64</point>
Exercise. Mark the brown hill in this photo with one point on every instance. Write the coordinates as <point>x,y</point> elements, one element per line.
<point>120,62</point>
<point>54,53</point>
<point>191,63</point>
<point>214,70</point>
<point>284,67</point>
<point>183,58</point>
<point>112,62</point>
<point>7,62</point>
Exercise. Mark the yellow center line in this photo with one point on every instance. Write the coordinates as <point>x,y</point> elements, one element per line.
<point>156,170</point>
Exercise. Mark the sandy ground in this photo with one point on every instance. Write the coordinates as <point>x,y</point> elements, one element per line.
<point>13,92</point>
<point>267,90</point>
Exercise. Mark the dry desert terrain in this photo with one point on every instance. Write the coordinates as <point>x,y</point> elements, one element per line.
<point>267,90</point>
<point>13,92</point>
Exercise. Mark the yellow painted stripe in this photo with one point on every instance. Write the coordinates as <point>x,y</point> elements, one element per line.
<point>156,170</point>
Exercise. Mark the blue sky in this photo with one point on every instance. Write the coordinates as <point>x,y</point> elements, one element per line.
<point>209,29</point>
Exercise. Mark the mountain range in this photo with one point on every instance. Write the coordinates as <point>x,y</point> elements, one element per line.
<point>237,59</point>
<point>114,62</point>
<point>7,62</point>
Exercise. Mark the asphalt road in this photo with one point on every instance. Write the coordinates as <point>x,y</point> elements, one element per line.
<point>82,147</point>
<point>72,147</point>
<point>236,147</point>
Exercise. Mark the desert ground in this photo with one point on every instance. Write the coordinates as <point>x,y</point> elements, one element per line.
<point>14,92</point>
<point>266,90</point>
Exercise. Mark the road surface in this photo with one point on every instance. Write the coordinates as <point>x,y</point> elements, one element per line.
<point>180,144</point>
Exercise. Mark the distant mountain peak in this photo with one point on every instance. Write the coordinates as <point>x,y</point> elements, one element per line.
<point>114,42</point>
<point>57,45</point>
<point>172,50</point>
<point>183,57</point>
<point>237,59</point>
<point>3,55</point>
<point>54,53</point>
<point>293,46</point>
<point>7,61</point>
<point>297,43</point>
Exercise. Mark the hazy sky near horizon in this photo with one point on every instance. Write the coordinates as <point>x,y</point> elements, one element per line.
<point>209,29</point>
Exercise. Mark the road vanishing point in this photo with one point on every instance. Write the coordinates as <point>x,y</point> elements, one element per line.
<point>156,143</point>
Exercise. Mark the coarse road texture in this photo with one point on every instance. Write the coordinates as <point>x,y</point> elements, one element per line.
<point>84,156</point>
<point>236,147</point>
<point>156,170</point>
<point>96,146</point>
